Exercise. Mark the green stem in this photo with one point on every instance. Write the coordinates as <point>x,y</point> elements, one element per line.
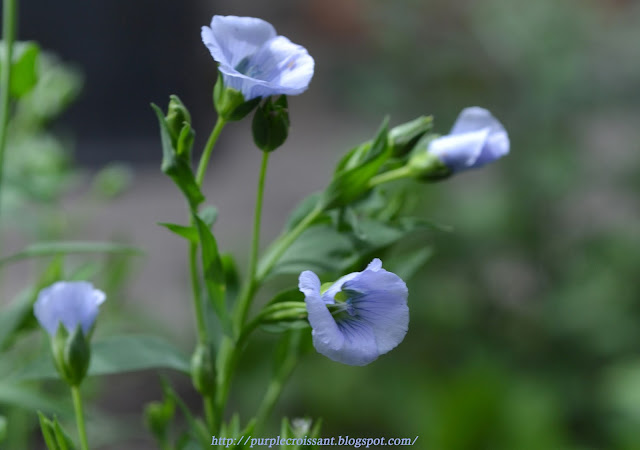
<point>284,241</point>
<point>77,406</point>
<point>392,175</point>
<point>244,301</point>
<point>210,412</point>
<point>198,307</point>
<point>9,14</point>
<point>206,153</point>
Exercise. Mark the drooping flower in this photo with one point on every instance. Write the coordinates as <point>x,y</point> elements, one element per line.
<point>477,138</point>
<point>255,60</point>
<point>70,303</point>
<point>360,317</point>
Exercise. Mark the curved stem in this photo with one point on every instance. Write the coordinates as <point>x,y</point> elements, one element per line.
<point>206,153</point>
<point>392,175</point>
<point>283,243</point>
<point>244,301</point>
<point>77,406</point>
<point>9,13</point>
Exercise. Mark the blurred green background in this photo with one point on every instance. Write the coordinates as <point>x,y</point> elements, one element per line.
<point>525,323</point>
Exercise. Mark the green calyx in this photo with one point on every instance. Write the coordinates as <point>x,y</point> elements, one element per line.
<point>230,103</point>
<point>405,137</point>
<point>71,354</point>
<point>424,165</point>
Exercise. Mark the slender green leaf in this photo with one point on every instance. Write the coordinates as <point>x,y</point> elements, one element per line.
<point>214,274</point>
<point>62,438</point>
<point>48,432</point>
<point>117,354</point>
<point>320,248</point>
<point>25,396</point>
<point>350,184</point>
<point>53,248</point>
<point>189,233</point>
<point>24,67</point>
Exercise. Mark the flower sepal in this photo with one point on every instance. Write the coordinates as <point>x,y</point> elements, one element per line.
<point>71,354</point>
<point>270,126</point>
<point>178,122</point>
<point>230,103</point>
<point>426,166</point>
<point>282,316</point>
<point>203,369</point>
<point>405,137</point>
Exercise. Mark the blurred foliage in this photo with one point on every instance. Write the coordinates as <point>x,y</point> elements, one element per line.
<point>524,325</point>
<point>39,173</point>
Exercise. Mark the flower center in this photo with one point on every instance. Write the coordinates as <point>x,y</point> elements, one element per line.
<point>343,304</point>
<point>245,67</point>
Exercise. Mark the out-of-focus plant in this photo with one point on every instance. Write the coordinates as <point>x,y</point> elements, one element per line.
<point>529,335</point>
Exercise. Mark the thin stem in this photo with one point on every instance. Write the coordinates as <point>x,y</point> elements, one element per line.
<point>248,290</point>
<point>9,13</point>
<point>210,412</point>
<point>206,153</point>
<point>198,307</point>
<point>392,175</point>
<point>283,243</point>
<point>77,406</point>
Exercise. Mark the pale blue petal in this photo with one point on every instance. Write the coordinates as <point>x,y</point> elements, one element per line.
<point>474,119</point>
<point>359,346</point>
<point>330,294</point>
<point>327,337</point>
<point>459,151</point>
<point>230,39</point>
<point>69,303</point>
<point>379,298</point>
<point>280,67</point>
<point>374,265</point>
<point>497,146</point>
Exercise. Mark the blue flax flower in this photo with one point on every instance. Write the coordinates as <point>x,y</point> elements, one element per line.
<point>477,138</point>
<point>360,317</point>
<point>256,61</point>
<point>70,303</point>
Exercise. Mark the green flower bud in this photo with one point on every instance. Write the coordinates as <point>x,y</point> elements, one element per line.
<point>157,416</point>
<point>270,124</point>
<point>71,354</point>
<point>404,137</point>
<point>203,370</point>
<point>230,103</point>
<point>177,116</point>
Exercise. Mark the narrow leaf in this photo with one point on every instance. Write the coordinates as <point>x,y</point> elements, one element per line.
<point>53,248</point>
<point>117,354</point>
<point>214,274</point>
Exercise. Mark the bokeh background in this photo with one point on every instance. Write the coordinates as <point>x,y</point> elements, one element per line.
<point>525,322</point>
